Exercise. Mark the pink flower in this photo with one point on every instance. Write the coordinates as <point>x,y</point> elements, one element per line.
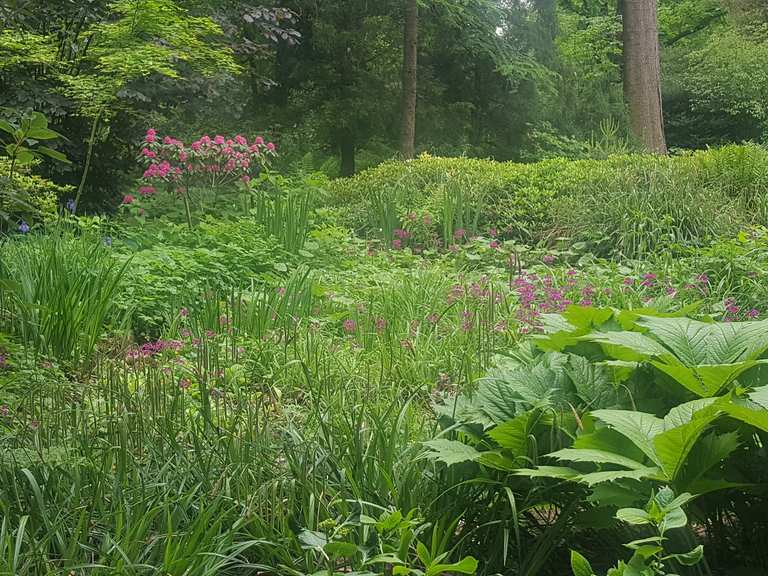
<point>271,146</point>
<point>493,232</point>
<point>184,383</point>
<point>146,190</point>
<point>245,178</point>
<point>459,233</point>
<point>148,153</point>
<point>349,326</point>
<point>167,140</point>
<point>259,141</point>
<point>241,140</point>
<point>128,199</point>
<point>495,244</point>
<point>151,135</point>
<point>548,259</point>
<point>219,139</point>
<point>380,325</point>
<point>752,314</point>
<point>184,312</point>
<point>183,156</point>
<point>397,244</point>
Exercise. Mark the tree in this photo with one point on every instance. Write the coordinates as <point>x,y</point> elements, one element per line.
<point>642,73</point>
<point>410,72</point>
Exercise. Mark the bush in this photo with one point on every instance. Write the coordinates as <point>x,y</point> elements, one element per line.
<point>672,200</point>
<point>171,265</point>
<point>29,196</point>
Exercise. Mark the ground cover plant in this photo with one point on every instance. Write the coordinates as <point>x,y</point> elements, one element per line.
<point>227,399</point>
<point>393,288</point>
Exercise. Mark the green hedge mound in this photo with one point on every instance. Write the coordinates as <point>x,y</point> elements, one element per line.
<point>626,204</point>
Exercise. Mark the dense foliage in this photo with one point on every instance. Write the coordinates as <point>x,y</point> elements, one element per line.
<point>533,349</point>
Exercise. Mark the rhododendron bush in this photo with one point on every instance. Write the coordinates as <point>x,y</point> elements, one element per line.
<point>199,170</point>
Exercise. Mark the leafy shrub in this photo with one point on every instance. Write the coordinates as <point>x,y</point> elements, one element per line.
<point>171,265</point>
<point>29,196</point>
<point>633,401</point>
<point>625,205</point>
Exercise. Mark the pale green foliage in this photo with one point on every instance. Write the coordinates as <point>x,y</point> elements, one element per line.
<point>25,48</point>
<point>147,37</point>
<point>728,75</point>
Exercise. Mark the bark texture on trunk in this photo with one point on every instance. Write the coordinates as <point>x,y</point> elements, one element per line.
<point>642,73</point>
<point>410,70</point>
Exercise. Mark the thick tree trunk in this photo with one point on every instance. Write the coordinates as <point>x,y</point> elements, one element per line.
<point>347,151</point>
<point>642,73</point>
<point>410,70</point>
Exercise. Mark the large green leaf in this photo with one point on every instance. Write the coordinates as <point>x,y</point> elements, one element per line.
<point>596,456</point>
<point>710,450</point>
<point>504,393</point>
<point>450,452</point>
<point>631,346</point>
<point>704,380</point>
<point>695,342</point>
<point>594,478</point>
<point>684,413</point>
<point>639,427</point>
<point>513,434</point>
<point>592,382</point>
<point>674,445</point>
<point>748,412</point>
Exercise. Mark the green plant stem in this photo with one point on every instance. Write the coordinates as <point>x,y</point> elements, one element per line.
<point>88,157</point>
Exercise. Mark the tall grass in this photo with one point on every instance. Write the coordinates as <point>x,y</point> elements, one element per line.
<point>58,293</point>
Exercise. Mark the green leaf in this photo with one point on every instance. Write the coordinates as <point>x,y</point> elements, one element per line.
<point>709,451</point>
<point>340,549</point>
<point>640,345</point>
<point>43,134</point>
<point>635,516</point>
<point>37,120</point>
<point>466,565</point>
<point>675,518</point>
<point>55,154</point>
<point>705,380</point>
<point>450,452</point>
<point>674,445</point>
<point>580,566</point>
<point>559,472</point>
<point>24,156</point>
<point>684,413</point>
<point>309,539</point>
<point>639,427</point>
<point>689,558</point>
<point>596,456</point>
<point>6,126</point>
<point>595,478</point>
<point>695,343</point>
<point>752,414</point>
<point>513,434</point>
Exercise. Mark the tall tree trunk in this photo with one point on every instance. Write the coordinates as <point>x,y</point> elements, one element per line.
<point>410,70</point>
<point>642,73</point>
<point>347,151</point>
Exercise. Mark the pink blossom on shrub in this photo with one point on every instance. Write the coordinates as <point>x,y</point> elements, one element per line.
<point>128,199</point>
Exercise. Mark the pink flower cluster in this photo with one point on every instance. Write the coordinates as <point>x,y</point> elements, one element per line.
<point>151,349</point>
<point>207,161</point>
